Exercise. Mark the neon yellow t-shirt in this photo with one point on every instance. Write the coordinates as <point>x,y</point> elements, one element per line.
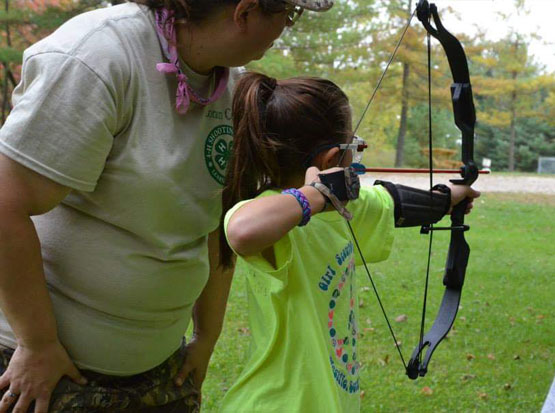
<point>303,313</point>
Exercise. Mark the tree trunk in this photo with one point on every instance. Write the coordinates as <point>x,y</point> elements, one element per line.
<point>513,130</point>
<point>399,154</point>
<point>513,117</point>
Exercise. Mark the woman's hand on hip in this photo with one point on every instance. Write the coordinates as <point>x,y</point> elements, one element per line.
<point>199,351</point>
<point>32,375</point>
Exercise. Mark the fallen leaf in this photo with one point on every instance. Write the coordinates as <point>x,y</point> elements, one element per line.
<point>362,394</point>
<point>491,356</point>
<point>385,361</point>
<point>468,377</point>
<point>368,330</point>
<point>516,357</point>
<point>507,386</point>
<point>427,391</point>
<point>470,357</point>
<point>360,303</point>
<point>244,330</point>
<point>368,321</point>
<point>402,318</point>
<point>483,396</point>
<point>462,318</point>
<point>365,288</point>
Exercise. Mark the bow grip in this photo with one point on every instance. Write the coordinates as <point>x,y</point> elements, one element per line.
<point>459,251</point>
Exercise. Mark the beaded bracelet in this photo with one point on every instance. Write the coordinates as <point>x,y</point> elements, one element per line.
<point>303,202</point>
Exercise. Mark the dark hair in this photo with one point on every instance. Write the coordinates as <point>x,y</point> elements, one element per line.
<point>198,10</point>
<point>277,125</point>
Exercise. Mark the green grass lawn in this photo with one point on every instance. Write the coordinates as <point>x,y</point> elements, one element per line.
<point>500,357</point>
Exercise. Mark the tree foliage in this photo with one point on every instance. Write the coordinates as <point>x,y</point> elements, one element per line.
<point>351,45</point>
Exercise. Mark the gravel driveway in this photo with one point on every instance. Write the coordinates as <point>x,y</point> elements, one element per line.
<point>541,184</point>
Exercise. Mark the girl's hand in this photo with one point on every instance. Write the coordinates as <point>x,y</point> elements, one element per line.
<point>313,172</point>
<point>316,199</point>
<point>32,375</point>
<point>461,192</point>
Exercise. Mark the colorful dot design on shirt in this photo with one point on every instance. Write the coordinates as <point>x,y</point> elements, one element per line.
<point>342,344</point>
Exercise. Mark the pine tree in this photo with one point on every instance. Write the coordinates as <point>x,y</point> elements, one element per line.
<point>512,96</point>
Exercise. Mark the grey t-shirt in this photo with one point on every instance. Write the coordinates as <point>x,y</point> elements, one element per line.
<point>125,254</point>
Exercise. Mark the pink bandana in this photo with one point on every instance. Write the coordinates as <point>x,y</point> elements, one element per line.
<point>165,26</point>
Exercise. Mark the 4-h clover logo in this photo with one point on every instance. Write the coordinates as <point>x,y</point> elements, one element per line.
<point>217,151</point>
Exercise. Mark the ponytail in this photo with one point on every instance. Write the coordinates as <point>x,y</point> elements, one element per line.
<point>277,125</point>
<point>253,164</point>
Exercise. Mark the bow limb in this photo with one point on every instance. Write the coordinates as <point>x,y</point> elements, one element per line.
<point>459,251</point>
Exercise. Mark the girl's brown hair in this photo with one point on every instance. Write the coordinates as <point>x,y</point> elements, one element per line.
<point>198,10</point>
<point>277,125</point>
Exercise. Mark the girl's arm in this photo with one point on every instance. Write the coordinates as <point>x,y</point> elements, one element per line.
<point>262,222</point>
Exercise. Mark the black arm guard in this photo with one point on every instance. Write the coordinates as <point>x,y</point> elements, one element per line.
<point>416,207</point>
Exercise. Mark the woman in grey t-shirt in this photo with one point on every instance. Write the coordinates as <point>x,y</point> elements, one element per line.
<point>111,168</point>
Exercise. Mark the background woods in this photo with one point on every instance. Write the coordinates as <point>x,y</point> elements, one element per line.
<point>499,357</point>
<point>351,45</point>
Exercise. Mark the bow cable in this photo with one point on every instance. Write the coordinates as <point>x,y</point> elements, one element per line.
<point>430,160</point>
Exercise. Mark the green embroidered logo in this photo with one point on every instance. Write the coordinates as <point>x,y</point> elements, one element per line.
<point>217,151</point>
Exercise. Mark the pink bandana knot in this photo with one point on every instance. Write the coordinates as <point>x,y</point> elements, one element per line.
<point>165,27</point>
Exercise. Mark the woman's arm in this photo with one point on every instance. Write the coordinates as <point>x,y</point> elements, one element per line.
<point>39,361</point>
<point>208,317</point>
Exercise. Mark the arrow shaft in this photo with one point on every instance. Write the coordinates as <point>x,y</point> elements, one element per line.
<point>419,170</point>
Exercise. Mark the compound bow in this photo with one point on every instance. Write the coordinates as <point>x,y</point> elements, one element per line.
<point>459,251</point>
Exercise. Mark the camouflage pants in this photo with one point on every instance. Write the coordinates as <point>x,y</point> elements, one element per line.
<point>151,392</point>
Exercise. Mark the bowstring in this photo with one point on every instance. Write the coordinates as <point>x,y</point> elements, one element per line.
<point>377,294</point>
<point>397,346</point>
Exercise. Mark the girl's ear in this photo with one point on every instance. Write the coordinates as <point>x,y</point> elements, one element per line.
<point>327,159</point>
<point>242,11</point>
